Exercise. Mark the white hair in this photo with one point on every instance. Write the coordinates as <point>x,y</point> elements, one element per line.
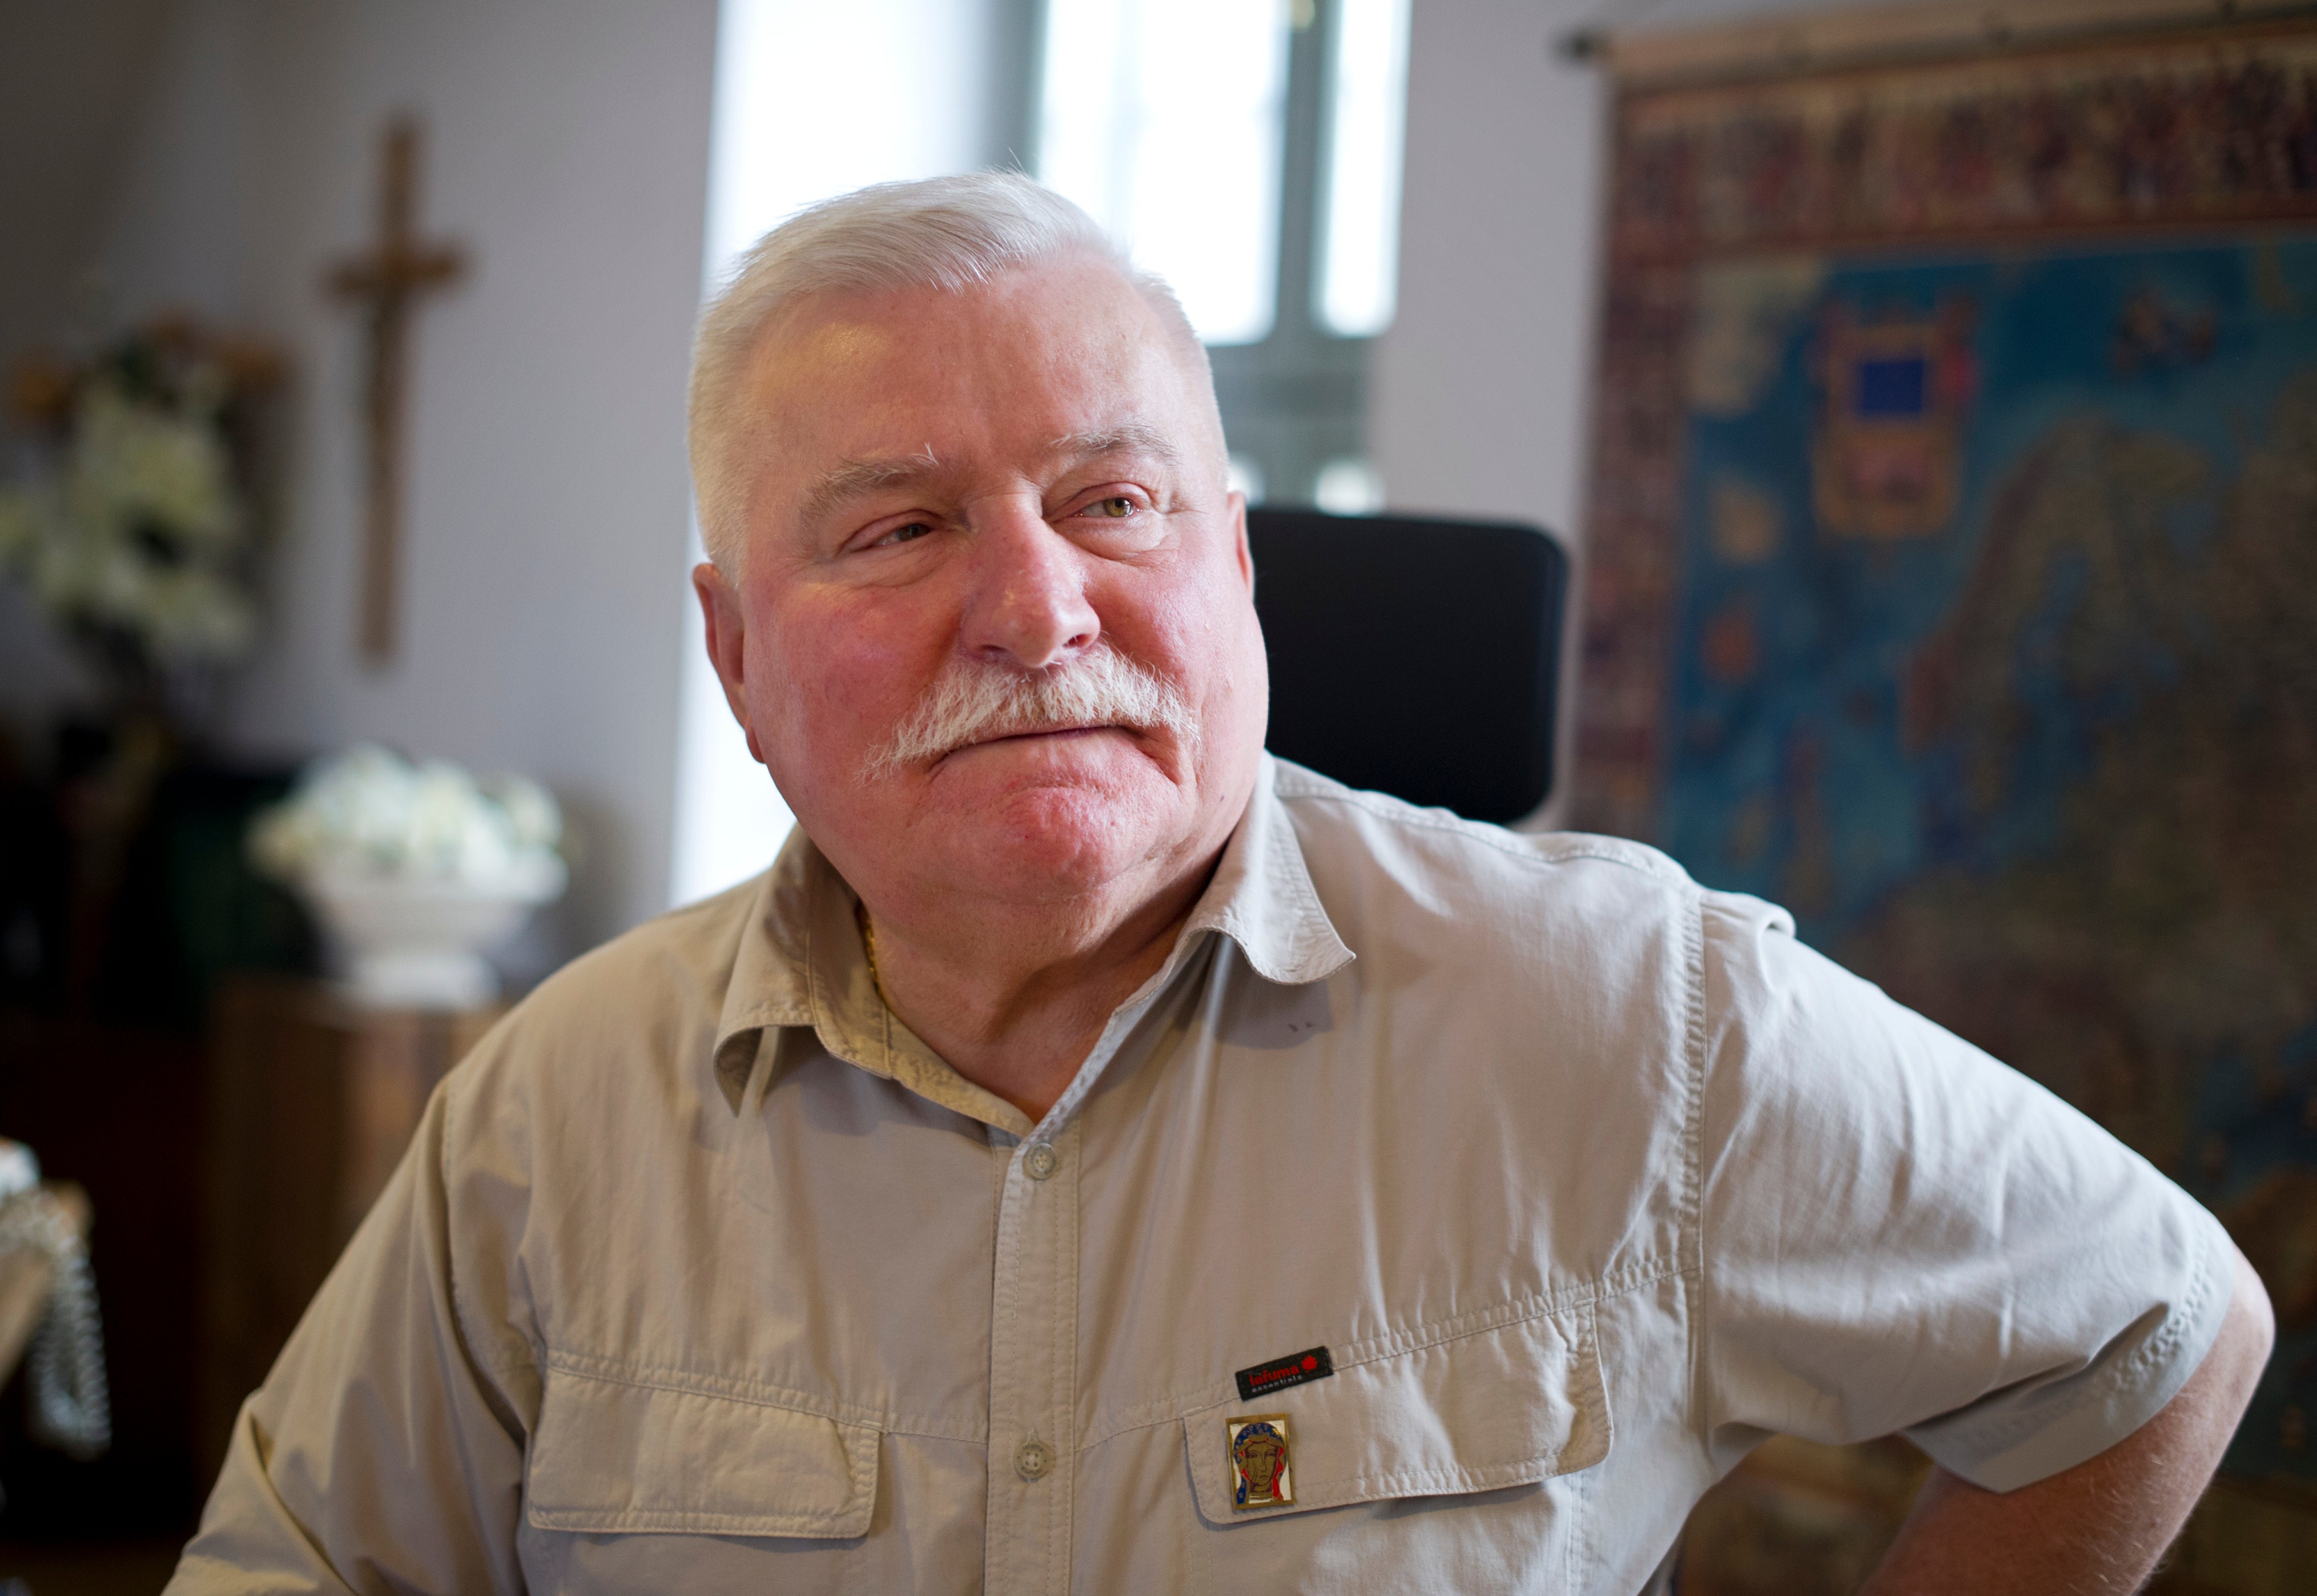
<point>947,233</point>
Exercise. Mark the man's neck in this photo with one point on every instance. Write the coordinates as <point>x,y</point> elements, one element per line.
<point>1015,997</point>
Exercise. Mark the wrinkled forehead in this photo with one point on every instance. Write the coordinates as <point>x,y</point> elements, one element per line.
<point>1048,350</point>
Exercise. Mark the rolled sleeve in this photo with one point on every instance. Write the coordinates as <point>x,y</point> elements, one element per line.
<point>1902,1235</point>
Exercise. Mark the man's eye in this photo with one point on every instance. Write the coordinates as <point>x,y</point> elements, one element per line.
<point>902,535</point>
<point>1115,508</point>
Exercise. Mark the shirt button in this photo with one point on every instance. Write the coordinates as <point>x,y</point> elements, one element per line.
<point>1042,1160</point>
<point>1033,1460</point>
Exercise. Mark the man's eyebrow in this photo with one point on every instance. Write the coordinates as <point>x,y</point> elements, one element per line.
<point>1129,435</point>
<point>858,477</point>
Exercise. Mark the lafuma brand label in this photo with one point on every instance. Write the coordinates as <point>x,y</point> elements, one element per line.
<point>1280,1372</point>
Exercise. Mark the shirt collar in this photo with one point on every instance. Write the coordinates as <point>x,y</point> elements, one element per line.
<point>800,960</point>
<point>1262,897</point>
<point>768,987</point>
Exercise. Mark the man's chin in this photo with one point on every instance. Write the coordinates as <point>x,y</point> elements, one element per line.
<point>1072,804</point>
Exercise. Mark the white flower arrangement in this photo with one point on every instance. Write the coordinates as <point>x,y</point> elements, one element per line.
<point>414,869</point>
<point>134,535</point>
<point>371,812</point>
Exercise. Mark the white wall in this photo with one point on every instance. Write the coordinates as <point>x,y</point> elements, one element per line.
<point>1479,395</point>
<point>546,488</point>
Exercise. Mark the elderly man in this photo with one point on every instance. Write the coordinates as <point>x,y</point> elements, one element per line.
<point>1098,1156</point>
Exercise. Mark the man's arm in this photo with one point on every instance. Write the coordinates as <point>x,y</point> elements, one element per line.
<point>2101,1526</point>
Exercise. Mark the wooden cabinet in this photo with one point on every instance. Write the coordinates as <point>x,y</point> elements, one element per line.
<point>312,1102</point>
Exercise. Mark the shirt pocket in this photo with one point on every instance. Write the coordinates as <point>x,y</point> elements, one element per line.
<point>1468,1418</point>
<point>624,1457</point>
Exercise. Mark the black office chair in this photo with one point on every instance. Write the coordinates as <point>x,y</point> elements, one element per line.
<point>1418,657</point>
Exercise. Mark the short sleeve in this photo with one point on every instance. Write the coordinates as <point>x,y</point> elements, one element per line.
<point>1900,1234</point>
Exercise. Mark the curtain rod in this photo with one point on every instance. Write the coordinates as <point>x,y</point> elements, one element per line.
<point>1813,41</point>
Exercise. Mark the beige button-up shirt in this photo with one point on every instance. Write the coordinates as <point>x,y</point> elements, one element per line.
<point>705,1274</point>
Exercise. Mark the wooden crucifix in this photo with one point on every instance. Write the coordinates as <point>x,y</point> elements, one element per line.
<point>386,282</point>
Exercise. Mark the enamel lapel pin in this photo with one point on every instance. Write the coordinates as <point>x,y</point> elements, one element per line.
<point>1263,1472</point>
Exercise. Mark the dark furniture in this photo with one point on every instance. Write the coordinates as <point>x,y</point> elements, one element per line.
<point>1419,657</point>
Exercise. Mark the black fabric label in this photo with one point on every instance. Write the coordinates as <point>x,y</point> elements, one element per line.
<point>1280,1373</point>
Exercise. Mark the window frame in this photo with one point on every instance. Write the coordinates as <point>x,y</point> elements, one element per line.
<point>1296,399</point>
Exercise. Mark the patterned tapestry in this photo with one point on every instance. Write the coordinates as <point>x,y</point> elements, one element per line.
<point>1953,575</point>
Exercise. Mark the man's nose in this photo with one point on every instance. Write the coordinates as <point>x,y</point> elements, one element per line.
<point>1028,606</point>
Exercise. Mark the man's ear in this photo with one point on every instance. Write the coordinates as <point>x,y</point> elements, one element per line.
<point>1239,534</point>
<point>728,643</point>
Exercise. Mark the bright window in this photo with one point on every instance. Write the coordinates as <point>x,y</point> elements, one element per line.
<point>1349,485</point>
<point>1359,256</point>
<point>795,123</point>
<point>1163,118</point>
<point>1249,152</point>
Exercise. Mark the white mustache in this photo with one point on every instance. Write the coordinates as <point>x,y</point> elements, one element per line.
<point>974,702</point>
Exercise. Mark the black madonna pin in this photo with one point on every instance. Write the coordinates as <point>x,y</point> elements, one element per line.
<point>1262,1461</point>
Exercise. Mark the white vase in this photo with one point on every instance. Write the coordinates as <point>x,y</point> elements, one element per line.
<point>415,941</point>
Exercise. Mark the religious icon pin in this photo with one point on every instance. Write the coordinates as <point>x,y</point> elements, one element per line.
<point>1262,1472</point>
